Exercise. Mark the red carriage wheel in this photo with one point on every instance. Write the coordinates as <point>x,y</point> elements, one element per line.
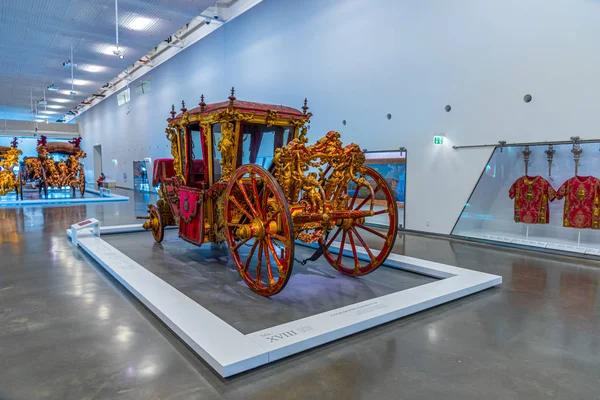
<point>258,229</point>
<point>355,233</point>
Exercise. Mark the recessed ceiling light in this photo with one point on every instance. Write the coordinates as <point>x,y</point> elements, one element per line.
<point>60,100</point>
<point>54,106</point>
<point>77,82</point>
<point>42,113</point>
<point>92,68</point>
<point>138,23</point>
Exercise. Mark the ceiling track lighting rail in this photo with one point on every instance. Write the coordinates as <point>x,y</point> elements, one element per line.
<point>148,62</point>
<point>178,42</point>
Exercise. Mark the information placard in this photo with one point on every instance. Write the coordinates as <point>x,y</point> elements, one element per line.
<point>92,223</point>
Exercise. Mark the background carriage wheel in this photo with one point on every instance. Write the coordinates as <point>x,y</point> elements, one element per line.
<point>352,233</point>
<point>158,227</point>
<point>259,230</point>
<point>20,189</point>
<point>82,184</point>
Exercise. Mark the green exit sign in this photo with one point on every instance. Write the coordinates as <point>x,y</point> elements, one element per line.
<point>438,140</point>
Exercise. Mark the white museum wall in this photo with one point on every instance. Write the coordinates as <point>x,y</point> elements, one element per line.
<point>357,61</point>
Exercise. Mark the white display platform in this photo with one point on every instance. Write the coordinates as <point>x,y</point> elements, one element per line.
<point>67,200</point>
<point>230,352</point>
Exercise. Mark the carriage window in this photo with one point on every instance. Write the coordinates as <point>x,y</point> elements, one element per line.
<point>196,145</point>
<point>216,131</point>
<point>197,173</point>
<point>261,141</point>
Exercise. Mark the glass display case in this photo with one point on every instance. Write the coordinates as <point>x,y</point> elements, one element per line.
<point>544,197</point>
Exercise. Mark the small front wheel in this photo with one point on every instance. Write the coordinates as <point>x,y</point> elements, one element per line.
<point>156,224</point>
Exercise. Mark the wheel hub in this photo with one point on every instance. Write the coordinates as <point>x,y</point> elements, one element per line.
<point>346,223</point>
<point>255,229</point>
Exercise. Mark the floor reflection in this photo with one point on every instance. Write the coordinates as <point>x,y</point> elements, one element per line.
<point>33,194</point>
<point>578,294</point>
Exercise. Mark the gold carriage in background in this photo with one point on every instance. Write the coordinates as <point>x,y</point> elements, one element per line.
<point>242,173</point>
<point>30,169</point>
<point>59,174</point>
<point>9,179</point>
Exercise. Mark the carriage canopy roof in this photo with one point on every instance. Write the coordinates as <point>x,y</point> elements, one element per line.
<point>61,148</point>
<point>246,107</point>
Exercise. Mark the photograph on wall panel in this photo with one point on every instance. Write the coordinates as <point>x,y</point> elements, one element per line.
<point>542,196</point>
<point>391,164</point>
<point>140,176</point>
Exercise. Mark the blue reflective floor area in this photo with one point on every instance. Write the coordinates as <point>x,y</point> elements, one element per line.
<point>57,196</point>
<point>33,194</point>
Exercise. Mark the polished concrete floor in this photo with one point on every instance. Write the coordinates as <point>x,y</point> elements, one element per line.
<point>67,331</point>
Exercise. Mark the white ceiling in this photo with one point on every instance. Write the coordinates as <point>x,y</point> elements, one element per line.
<point>36,36</point>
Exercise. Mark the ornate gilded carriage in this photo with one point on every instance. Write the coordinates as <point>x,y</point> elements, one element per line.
<point>242,173</point>
<point>65,171</point>
<point>9,179</point>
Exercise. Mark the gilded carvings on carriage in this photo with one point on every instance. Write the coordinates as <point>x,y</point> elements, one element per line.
<point>9,158</point>
<point>271,117</point>
<point>173,137</point>
<point>292,161</point>
<point>226,147</point>
<point>63,173</point>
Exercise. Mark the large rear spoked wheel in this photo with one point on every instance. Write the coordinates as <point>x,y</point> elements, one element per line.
<point>258,229</point>
<point>355,233</point>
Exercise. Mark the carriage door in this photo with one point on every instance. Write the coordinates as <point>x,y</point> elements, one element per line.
<point>191,196</point>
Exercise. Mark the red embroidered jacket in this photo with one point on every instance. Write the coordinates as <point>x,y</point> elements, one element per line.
<point>531,194</point>
<point>582,203</point>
